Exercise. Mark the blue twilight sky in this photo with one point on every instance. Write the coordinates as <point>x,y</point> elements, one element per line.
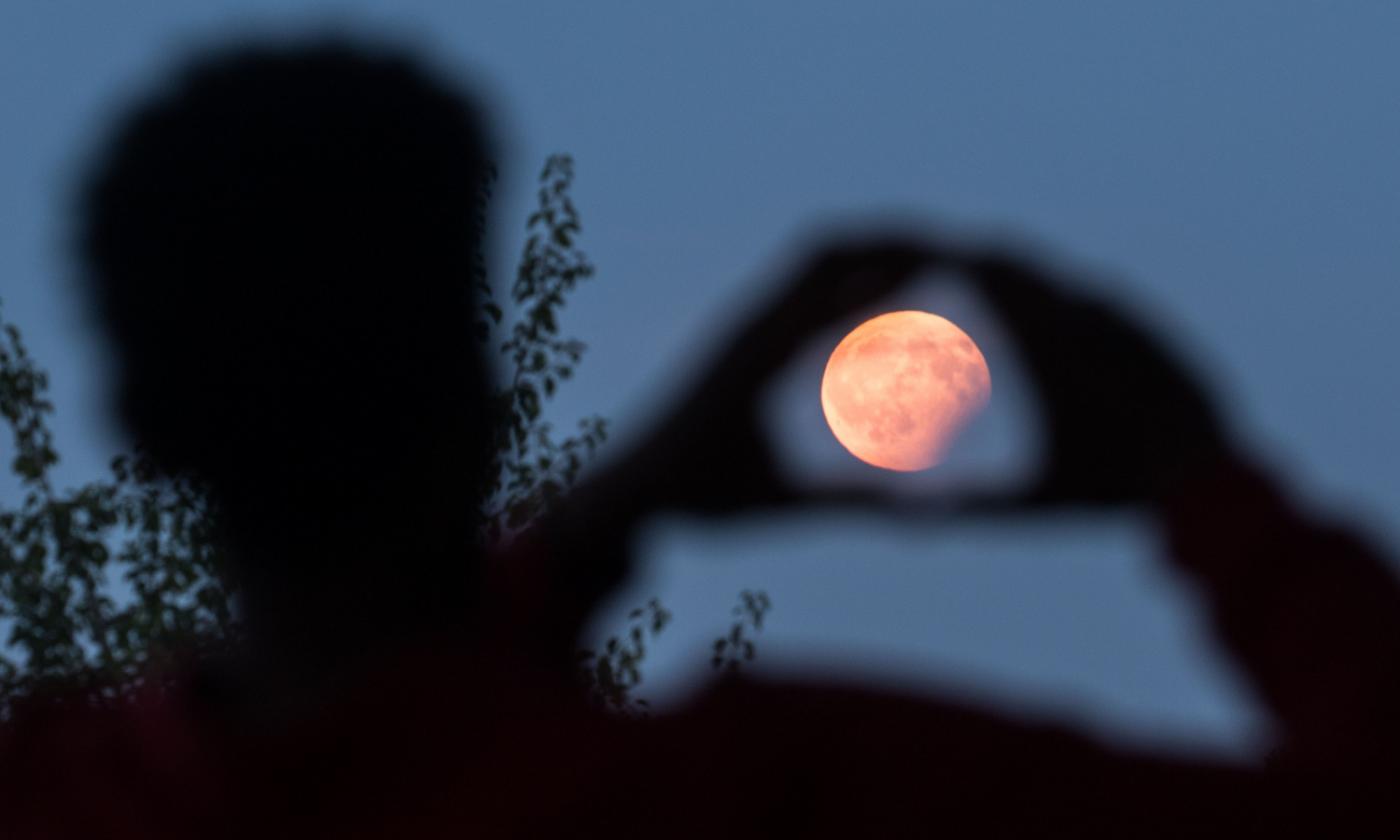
<point>1230,165</point>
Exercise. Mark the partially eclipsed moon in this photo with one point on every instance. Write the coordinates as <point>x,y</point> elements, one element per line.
<point>900,387</point>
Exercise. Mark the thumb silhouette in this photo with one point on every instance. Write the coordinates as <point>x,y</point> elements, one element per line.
<point>1124,420</point>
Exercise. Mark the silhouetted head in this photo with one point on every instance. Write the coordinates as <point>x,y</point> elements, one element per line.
<point>283,242</point>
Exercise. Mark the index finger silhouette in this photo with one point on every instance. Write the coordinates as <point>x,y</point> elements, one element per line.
<point>833,283</point>
<point>1117,407</point>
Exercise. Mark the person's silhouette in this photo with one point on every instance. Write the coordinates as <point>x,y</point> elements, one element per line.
<point>282,244</point>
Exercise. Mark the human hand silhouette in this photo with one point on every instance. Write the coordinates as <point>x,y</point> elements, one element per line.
<point>712,455</point>
<point>1124,420</point>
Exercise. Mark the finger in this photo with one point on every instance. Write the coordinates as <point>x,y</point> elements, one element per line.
<point>1013,286</point>
<point>923,509</point>
<point>1032,504</point>
<point>836,282</point>
<point>853,274</point>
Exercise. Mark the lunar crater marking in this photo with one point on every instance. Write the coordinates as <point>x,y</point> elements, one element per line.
<point>899,388</point>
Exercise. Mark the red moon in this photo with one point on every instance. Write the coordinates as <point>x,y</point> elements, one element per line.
<point>899,388</point>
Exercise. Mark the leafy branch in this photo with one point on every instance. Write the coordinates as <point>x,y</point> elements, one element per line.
<point>737,647</point>
<point>533,469</point>
<point>613,672</point>
<point>60,553</point>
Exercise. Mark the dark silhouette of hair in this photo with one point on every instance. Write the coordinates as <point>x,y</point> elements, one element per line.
<point>282,244</point>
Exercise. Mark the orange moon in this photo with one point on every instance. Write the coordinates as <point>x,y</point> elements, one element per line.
<point>899,388</point>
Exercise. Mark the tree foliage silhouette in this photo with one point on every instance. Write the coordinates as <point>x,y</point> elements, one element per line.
<point>532,467</point>
<point>105,585</point>
<point>102,584</point>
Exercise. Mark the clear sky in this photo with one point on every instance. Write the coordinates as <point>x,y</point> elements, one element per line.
<point>1232,166</point>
